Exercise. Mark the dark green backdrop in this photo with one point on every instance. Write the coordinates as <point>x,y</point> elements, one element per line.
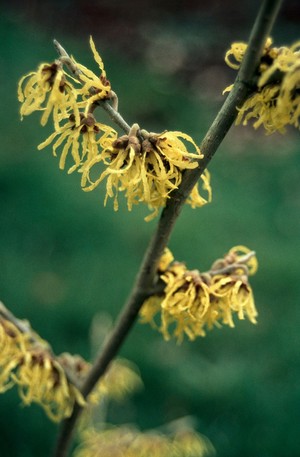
<point>63,257</point>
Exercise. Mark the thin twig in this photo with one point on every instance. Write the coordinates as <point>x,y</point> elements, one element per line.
<point>159,286</point>
<point>144,280</point>
<point>21,324</point>
<point>240,263</point>
<point>114,115</point>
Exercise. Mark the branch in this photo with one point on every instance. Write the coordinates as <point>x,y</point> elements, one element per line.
<point>144,280</point>
<point>240,263</point>
<point>22,325</point>
<point>114,115</point>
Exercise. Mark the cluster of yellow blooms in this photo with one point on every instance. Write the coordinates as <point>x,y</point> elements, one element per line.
<point>129,442</point>
<point>39,376</point>
<point>192,301</point>
<point>47,380</point>
<point>51,89</point>
<point>276,102</point>
<point>146,167</point>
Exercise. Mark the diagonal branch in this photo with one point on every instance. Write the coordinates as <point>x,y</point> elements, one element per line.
<point>144,281</point>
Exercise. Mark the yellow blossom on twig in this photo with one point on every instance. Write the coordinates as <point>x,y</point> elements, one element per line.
<point>94,88</point>
<point>81,141</point>
<point>191,301</point>
<point>41,379</point>
<point>51,89</point>
<point>48,90</point>
<point>13,344</point>
<point>276,101</point>
<point>120,380</point>
<point>235,54</point>
<point>127,441</point>
<point>27,361</point>
<point>165,260</point>
<point>53,381</point>
<point>146,169</point>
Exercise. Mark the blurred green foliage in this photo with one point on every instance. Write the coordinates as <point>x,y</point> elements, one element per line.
<point>64,257</point>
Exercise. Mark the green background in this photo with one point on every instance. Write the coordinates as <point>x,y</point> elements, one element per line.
<point>64,258</point>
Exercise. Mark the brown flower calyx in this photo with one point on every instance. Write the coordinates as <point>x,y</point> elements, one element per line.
<point>53,70</point>
<point>85,122</point>
<point>130,141</point>
<point>126,142</point>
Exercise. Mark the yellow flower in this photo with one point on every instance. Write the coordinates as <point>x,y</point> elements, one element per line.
<point>235,54</point>
<point>231,295</point>
<point>150,309</point>
<point>120,380</point>
<point>190,444</point>
<point>122,442</point>
<point>192,301</point>
<point>195,200</point>
<point>13,345</point>
<point>165,260</point>
<point>80,140</point>
<point>41,379</point>
<point>48,90</point>
<point>182,306</point>
<point>276,102</point>
<point>94,87</point>
<point>146,170</point>
<point>127,441</point>
<point>237,255</point>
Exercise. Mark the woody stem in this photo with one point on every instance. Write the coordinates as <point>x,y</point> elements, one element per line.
<point>145,277</point>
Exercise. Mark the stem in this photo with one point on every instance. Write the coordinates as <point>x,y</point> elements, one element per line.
<point>144,280</point>
<point>242,262</point>
<point>243,86</point>
<point>114,115</point>
<point>160,285</point>
<point>22,325</point>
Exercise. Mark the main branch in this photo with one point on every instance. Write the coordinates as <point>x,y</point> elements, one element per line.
<point>144,281</point>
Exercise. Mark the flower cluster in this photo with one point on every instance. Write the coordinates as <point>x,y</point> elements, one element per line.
<point>48,90</point>
<point>129,442</point>
<point>191,301</point>
<point>146,167</point>
<point>12,346</point>
<point>276,102</point>
<point>81,140</point>
<point>37,373</point>
<point>28,362</point>
<point>71,100</point>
